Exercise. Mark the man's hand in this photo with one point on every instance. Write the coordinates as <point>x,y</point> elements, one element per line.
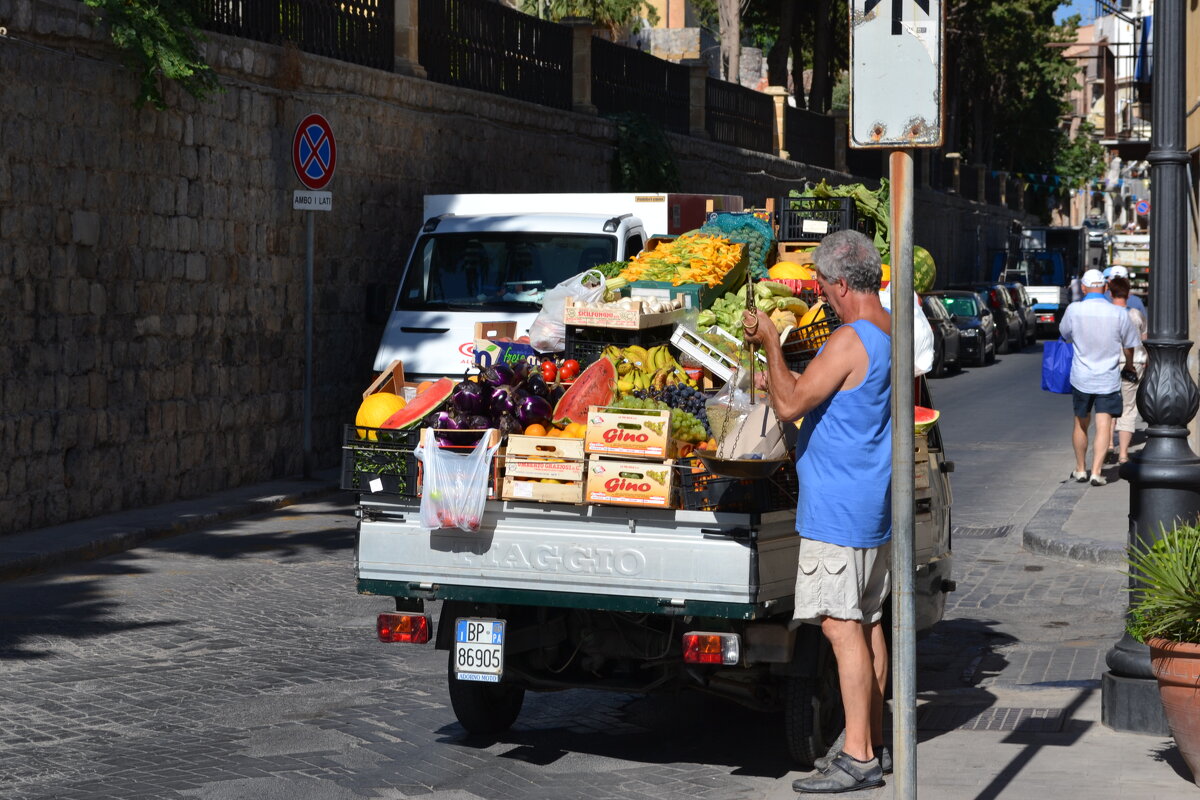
<point>757,329</point>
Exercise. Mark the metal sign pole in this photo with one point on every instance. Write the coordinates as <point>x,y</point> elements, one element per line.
<point>308,343</point>
<point>904,639</point>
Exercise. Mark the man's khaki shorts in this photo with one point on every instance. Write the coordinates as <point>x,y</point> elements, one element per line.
<point>841,582</point>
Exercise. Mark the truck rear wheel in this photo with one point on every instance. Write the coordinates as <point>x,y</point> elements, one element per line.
<point>484,708</point>
<point>812,713</point>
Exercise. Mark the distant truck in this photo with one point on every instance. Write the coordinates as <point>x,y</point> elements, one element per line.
<point>1046,261</point>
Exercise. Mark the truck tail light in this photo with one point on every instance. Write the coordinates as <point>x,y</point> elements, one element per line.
<point>412,628</point>
<point>1045,318</point>
<point>711,648</point>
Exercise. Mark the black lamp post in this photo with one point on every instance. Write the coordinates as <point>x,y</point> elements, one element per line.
<point>1164,477</point>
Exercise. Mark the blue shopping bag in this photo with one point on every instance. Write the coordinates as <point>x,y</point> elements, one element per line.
<point>1056,367</point>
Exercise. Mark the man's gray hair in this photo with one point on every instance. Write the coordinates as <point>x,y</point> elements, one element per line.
<point>849,255</point>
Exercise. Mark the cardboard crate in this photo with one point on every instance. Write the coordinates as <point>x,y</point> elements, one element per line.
<point>488,351</point>
<point>730,283</point>
<point>612,316</point>
<point>642,484</point>
<point>535,491</point>
<point>628,433</point>
<point>550,457</point>
<point>689,293</point>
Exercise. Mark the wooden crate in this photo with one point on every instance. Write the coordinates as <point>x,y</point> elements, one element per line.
<point>550,457</point>
<point>534,490</point>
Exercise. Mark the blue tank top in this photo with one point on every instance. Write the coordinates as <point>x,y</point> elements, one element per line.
<point>844,456</point>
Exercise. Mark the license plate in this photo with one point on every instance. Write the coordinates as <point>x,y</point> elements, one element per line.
<point>478,649</point>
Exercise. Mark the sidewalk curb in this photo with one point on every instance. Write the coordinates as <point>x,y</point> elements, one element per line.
<point>28,553</point>
<point>1044,533</point>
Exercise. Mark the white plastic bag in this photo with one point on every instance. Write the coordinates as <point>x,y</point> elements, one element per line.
<point>548,333</point>
<point>743,430</point>
<point>923,345</point>
<point>455,485</point>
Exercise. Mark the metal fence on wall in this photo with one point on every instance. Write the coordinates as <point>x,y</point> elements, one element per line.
<point>355,31</point>
<point>624,79</point>
<point>739,116</point>
<point>489,47</point>
<point>808,137</point>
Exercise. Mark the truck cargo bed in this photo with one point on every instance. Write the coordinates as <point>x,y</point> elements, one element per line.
<point>649,560</point>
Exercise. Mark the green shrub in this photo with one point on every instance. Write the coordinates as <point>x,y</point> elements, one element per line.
<point>1166,600</point>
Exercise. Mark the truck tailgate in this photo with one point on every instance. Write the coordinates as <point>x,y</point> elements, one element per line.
<point>670,558</point>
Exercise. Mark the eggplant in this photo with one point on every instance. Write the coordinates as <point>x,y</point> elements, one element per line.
<point>445,420</point>
<point>498,375</point>
<point>536,384</point>
<point>534,410</point>
<point>508,424</point>
<point>469,397</point>
<point>506,399</point>
<point>478,422</point>
<point>556,393</point>
<point>521,370</point>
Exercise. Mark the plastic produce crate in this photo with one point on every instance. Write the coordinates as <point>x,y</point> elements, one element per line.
<point>802,344</point>
<point>385,464</point>
<point>707,355</point>
<point>700,490</point>
<point>586,344</point>
<point>810,219</point>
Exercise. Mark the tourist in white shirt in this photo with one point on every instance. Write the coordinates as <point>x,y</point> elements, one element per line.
<point>1102,335</point>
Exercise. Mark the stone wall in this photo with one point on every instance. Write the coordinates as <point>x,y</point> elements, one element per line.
<point>152,282</point>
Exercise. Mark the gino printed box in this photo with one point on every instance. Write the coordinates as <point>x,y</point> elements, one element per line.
<point>644,484</point>
<point>628,432</point>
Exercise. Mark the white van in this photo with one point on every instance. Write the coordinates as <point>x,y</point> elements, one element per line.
<point>484,258</point>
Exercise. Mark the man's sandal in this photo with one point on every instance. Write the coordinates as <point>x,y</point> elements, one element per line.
<point>843,774</point>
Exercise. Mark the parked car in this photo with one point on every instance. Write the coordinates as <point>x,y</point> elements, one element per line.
<point>946,336</point>
<point>977,330</point>
<point>1004,314</point>
<point>1024,305</point>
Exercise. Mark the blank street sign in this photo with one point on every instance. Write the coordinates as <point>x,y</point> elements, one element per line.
<point>896,73</point>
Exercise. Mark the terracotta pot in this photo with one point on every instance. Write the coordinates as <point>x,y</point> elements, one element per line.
<point>1177,667</point>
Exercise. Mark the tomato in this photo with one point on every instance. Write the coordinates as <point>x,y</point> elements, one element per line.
<point>549,371</point>
<point>569,370</point>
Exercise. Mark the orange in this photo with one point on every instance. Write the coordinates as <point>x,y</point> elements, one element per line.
<point>535,430</point>
<point>423,385</point>
<point>554,432</point>
<point>575,430</point>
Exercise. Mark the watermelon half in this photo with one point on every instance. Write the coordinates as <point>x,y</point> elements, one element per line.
<point>924,418</point>
<point>421,406</point>
<point>595,386</point>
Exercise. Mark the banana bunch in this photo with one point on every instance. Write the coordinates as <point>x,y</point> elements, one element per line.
<point>639,369</point>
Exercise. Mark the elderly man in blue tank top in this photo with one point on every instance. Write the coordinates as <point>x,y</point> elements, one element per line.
<point>844,515</point>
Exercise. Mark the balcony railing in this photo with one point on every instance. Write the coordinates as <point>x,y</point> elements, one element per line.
<point>628,80</point>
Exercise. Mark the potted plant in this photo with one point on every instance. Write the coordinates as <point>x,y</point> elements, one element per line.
<point>1165,614</point>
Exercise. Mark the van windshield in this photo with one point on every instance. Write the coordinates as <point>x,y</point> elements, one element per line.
<point>496,271</point>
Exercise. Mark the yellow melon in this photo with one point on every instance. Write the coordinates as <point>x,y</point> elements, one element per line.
<point>787,270</point>
<point>375,409</point>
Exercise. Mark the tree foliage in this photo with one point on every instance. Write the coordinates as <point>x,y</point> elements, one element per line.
<point>615,16</point>
<point>1006,82</point>
<point>160,43</point>
<point>642,161</point>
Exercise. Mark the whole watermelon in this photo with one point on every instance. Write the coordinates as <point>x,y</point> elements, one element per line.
<point>924,270</point>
